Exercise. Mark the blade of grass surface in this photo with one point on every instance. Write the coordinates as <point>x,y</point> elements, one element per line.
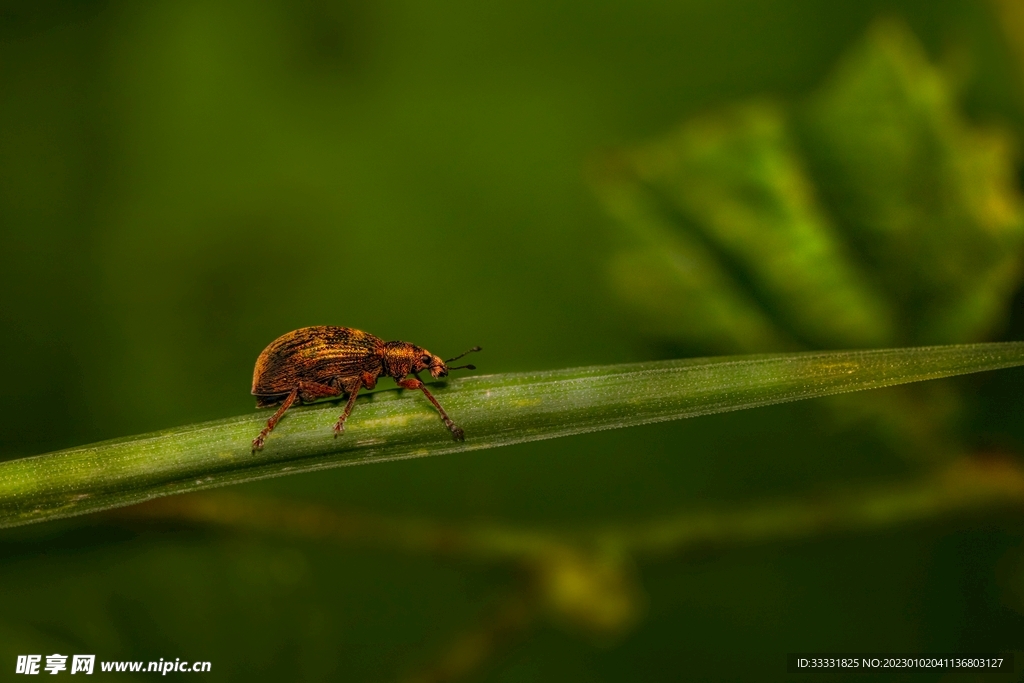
<point>495,410</point>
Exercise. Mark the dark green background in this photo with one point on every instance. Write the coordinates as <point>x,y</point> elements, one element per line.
<point>181,182</point>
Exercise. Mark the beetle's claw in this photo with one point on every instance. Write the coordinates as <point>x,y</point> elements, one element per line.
<point>457,433</point>
<point>339,427</point>
<point>257,444</point>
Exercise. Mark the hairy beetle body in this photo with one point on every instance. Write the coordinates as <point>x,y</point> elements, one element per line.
<point>325,361</point>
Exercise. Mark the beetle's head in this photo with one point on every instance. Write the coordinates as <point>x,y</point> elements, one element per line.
<point>425,360</point>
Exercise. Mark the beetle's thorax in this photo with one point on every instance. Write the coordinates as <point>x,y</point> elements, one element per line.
<point>399,358</point>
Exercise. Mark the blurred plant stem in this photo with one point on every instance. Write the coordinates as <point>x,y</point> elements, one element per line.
<point>495,410</point>
<point>471,650</point>
<point>584,578</point>
<point>963,485</point>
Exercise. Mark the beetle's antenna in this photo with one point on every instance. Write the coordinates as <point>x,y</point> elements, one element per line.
<point>467,367</point>
<point>472,350</point>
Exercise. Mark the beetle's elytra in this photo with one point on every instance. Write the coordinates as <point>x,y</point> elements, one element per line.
<point>323,361</point>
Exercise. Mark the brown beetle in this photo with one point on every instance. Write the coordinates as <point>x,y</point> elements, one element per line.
<point>322,361</point>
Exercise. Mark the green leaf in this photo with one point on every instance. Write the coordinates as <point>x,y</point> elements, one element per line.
<point>872,214</point>
<point>735,178</point>
<point>677,283</point>
<point>930,201</point>
<point>495,410</point>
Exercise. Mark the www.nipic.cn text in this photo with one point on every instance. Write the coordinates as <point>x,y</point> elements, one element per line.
<point>86,664</point>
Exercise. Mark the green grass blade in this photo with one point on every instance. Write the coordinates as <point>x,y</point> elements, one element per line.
<point>495,410</point>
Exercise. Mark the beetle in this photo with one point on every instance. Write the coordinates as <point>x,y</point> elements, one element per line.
<point>322,361</point>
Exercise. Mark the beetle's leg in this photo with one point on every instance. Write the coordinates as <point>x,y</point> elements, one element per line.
<point>311,391</point>
<point>353,391</point>
<point>368,380</point>
<point>257,443</point>
<point>456,431</point>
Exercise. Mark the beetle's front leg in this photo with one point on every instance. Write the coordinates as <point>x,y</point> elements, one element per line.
<point>457,433</point>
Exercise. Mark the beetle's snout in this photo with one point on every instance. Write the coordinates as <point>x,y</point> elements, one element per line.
<point>438,367</point>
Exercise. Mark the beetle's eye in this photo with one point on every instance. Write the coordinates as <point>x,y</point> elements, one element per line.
<point>425,360</point>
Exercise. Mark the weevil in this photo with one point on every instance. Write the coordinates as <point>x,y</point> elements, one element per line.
<point>323,361</point>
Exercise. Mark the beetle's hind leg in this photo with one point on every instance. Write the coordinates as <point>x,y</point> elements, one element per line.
<point>353,390</point>
<point>312,391</point>
<point>306,392</point>
<point>257,443</point>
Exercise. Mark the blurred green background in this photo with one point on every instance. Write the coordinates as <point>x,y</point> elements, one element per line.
<point>563,184</point>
